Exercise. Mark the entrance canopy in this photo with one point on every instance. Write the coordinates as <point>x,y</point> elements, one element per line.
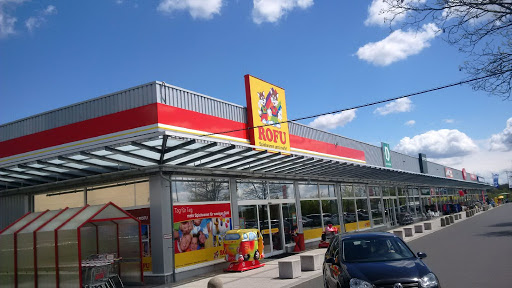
<point>166,151</point>
<point>47,248</point>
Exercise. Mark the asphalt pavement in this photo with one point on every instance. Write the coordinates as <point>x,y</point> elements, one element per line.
<point>473,253</point>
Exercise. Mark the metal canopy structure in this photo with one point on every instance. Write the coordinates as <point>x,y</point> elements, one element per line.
<point>197,156</point>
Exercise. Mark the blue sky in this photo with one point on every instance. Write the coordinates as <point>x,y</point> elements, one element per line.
<point>328,55</point>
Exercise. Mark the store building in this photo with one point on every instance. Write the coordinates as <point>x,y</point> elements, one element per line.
<point>171,156</point>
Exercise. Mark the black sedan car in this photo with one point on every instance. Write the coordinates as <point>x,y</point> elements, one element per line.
<point>374,260</point>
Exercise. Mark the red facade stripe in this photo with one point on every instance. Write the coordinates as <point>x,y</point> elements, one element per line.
<point>153,114</point>
<point>326,148</point>
<point>112,123</point>
<point>175,116</point>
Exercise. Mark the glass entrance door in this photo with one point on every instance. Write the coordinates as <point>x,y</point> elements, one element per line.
<point>390,211</point>
<point>268,219</point>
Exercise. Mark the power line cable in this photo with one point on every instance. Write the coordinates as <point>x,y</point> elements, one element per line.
<point>364,105</point>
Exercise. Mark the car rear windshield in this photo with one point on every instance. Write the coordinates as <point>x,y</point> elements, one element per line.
<point>375,249</point>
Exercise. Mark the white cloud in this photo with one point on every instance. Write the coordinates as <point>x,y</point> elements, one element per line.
<point>36,21</point>
<point>273,10</point>
<point>398,45</point>
<point>410,123</point>
<point>502,141</point>
<point>377,14</point>
<point>50,10</point>
<point>331,121</point>
<point>202,9</point>
<point>449,121</point>
<point>397,106</point>
<point>442,143</point>
<point>7,21</point>
<point>482,163</point>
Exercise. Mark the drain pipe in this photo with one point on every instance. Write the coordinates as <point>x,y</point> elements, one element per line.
<point>172,227</point>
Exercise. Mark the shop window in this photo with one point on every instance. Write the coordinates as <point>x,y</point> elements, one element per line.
<point>376,209</point>
<point>289,222</point>
<point>374,191</point>
<point>123,196</point>
<point>425,191</point>
<point>386,191</point>
<point>248,217</point>
<point>277,190</point>
<point>359,191</point>
<point>349,214</point>
<point>326,191</point>
<point>200,190</point>
<point>308,191</point>
<point>330,212</point>
<point>251,190</point>
<point>129,194</point>
<point>346,191</point>
<point>55,201</point>
<point>311,217</point>
<point>363,219</point>
<point>142,194</point>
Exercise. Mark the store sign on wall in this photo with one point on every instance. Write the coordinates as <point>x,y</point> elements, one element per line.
<point>472,177</point>
<point>386,155</point>
<point>266,110</point>
<point>464,173</point>
<point>448,172</point>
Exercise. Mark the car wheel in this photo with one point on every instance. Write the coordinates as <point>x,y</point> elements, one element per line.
<point>246,257</point>
<point>257,255</point>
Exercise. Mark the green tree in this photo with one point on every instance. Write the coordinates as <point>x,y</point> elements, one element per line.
<point>479,28</point>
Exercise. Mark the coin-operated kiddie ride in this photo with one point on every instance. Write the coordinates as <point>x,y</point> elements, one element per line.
<point>243,249</point>
<point>328,233</point>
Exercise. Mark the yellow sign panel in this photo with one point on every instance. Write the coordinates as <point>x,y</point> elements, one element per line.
<point>266,112</point>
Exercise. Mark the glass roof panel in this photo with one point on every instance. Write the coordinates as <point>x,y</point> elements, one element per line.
<point>131,160</point>
<point>147,153</point>
<point>101,153</point>
<point>110,212</point>
<point>57,221</point>
<point>81,217</point>
<point>40,221</point>
<point>154,143</point>
<point>21,223</point>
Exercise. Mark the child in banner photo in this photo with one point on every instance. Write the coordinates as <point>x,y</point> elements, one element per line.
<point>182,236</point>
<point>201,229</point>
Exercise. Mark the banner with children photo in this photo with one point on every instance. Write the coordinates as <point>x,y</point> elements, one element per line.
<point>199,232</point>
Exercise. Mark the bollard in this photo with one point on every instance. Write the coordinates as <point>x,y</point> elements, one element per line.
<point>467,213</point>
<point>408,232</point>
<point>443,222</point>
<point>452,219</point>
<point>418,228</point>
<point>215,282</point>
<point>447,220</point>
<point>428,225</point>
<point>399,233</point>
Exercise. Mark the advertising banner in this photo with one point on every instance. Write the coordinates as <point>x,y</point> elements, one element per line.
<point>266,111</point>
<point>473,177</point>
<point>386,155</point>
<point>198,232</point>
<point>495,178</point>
<point>464,174</point>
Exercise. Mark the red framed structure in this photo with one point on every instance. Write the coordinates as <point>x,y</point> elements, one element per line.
<point>47,248</point>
